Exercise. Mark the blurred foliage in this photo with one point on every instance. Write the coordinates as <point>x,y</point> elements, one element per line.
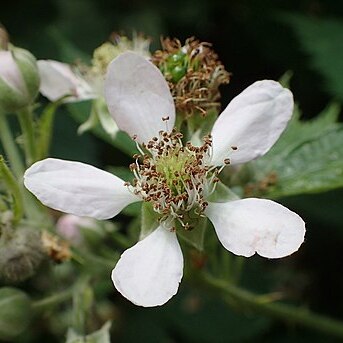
<point>255,40</point>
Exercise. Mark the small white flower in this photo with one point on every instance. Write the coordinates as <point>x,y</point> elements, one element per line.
<point>176,179</point>
<point>86,82</point>
<point>59,80</point>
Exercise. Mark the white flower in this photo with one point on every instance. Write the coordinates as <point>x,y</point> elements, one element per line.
<point>85,82</point>
<point>59,80</point>
<point>176,179</point>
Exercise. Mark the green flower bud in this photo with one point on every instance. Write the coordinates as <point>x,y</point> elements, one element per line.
<point>21,254</point>
<point>19,79</point>
<point>15,312</point>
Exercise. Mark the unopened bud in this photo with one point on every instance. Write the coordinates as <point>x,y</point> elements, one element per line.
<point>21,254</point>
<point>19,79</point>
<point>69,225</point>
<point>15,312</point>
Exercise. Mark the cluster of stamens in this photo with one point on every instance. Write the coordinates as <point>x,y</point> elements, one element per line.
<point>175,178</point>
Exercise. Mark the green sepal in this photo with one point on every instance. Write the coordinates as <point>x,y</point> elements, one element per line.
<point>82,302</point>
<point>100,336</point>
<point>194,237</point>
<point>121,140</point>
<point>202,125</point>
<point>149,221</point>
<point>222,193</point>
<point>29,70</point>
<point>15,312</point>
<point>100,115</point>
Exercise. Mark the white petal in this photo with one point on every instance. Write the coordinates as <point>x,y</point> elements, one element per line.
<point>252,122</point>
<point>77,188</point>
<point>138,97</point>
<point>149,273</point>
<point>257,225</point>
<point>58,80</point>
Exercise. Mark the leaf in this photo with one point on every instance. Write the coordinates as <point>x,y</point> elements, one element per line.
<point>203,318</point>
<point>100,336</point>
<point>308,158</point>
<point>321,39</point>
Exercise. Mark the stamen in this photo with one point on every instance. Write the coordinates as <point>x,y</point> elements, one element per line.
<point>175,178</point>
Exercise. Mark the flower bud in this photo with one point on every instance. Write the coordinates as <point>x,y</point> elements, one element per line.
<point>21,254</point>
<point>69,226</point>
<point>19,79</point>
<point>15,312</point>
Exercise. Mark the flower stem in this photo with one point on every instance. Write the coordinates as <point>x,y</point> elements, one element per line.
<point>284,312</point>
<point>45,129</point>
<point>31,208</point>
<point>10,148</point>
<point>26,123</point>
<point>53,300</point>
<point>13,188</point>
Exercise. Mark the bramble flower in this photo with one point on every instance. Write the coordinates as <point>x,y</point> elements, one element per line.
<point>177,179</point>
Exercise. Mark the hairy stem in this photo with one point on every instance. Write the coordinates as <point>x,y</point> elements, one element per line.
<point>14,190</point>
<point>277,310</point>
<point>53,300</point>
<point>9,146</point>
<point>27,128</point>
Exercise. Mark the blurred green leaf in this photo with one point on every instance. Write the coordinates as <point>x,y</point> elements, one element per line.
<point>202,318</point>
<point>308,158</point>
<point>15,312</point>
<point>321,39</point>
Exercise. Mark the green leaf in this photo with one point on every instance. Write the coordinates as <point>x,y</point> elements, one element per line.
<point>203,318</point>
<point>15,312</point>
<point>100,336</point>
<point>321,39</point>
<point>308,158</point>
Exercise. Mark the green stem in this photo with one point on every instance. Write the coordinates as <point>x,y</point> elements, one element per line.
<point>284,312</point>
<point>10,148</point>
<point>53,300</point>
<point>45,129</point>
<point>32,209</point>
<point>14,189</point>
<point>27,127</point>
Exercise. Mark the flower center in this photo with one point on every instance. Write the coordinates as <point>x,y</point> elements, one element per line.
<point>174,178</point>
